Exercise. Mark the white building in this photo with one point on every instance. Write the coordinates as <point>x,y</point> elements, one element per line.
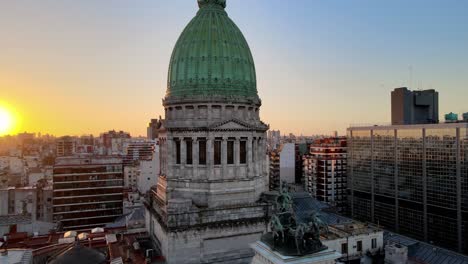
<point>148,173</point>
<point>131,174</point>
<point>354,240</point>
<point>143,169</point>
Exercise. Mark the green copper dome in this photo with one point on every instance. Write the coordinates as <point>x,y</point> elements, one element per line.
<point>211,58</point>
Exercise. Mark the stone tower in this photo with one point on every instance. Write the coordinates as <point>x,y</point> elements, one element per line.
<point>206,206</point>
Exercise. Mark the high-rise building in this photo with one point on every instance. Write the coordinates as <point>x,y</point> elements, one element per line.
<point>274,139</point>
<point>412,179</point>
<point>325,171</point>
<point>282,166</point>
<point>206,207</point>
<point>414,107</point>
<point>88,191</point>
<point>274,180</point>
<point>66,146</point>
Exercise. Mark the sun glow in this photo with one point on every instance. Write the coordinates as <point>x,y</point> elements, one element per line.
<point>6,121</point>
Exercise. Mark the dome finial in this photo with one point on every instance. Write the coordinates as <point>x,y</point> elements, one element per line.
<point>202,3</point>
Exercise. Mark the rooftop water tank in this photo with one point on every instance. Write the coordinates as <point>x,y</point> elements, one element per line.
<point>451,117</point>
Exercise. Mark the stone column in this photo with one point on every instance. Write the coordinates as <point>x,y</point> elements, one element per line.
<point>261,156</point>
<point>195,154</point>
<point>160,156</point>
<point>163,156</point>
<point>237,156</point>
<point>209,155</point>
<point>183,153</point>
<point>255,157</point>
<point>237,151</point>
<point>170,155</point>
<point>224,156</point>
<point>249,157</point>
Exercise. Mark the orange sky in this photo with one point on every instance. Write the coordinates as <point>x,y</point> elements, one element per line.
<point>81,67</point>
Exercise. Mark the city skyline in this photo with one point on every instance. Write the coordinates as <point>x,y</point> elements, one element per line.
<point>84,68</point>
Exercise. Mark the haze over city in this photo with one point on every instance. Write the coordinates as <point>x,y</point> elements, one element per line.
<point>81,67</point>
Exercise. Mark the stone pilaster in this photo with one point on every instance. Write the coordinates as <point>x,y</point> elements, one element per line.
<point>249,157</point>
<point>195,156</point>
<point>224,155</point>
<point>183,153</point>
<point>209,155</point>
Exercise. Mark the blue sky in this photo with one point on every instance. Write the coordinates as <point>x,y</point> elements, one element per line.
<point>321,65</point>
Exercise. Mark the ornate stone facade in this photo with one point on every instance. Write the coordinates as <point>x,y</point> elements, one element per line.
<point>206,206</point>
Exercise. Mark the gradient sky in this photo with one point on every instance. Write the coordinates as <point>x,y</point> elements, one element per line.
<point>87,66</point>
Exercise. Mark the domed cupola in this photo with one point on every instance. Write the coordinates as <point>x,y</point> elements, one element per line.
<point>211,60</point>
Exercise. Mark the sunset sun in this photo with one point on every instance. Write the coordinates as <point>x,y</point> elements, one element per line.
<point>6,121</point>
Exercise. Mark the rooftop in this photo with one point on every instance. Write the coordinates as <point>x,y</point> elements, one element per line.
<point>418,251</point>
<point>17,256</point>
<point>388,126</point>
<point>125,244</point>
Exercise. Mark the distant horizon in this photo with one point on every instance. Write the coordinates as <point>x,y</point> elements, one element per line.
<point>80,67</point>
<point>117,130</point>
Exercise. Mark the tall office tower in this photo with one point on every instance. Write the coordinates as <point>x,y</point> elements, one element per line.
<point>325,171</point>
<point>206,206</point>
<point>412,179</point>
<point>66,146</point>
<point>414,107</point>
<point>88,192</point>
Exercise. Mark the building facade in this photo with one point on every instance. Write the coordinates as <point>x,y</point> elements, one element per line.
<point>324,171</point>
<point>414,107</point>
<point>274,139</point>
<point>88,191</point>
<point>274,180</point>
<point>212,147</point>
<point>412,179</point>
<point>137,150</point>
<point>152,129</point>
<point>66,146</point>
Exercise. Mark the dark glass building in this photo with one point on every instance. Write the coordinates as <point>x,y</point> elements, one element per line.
<point>412,179</point>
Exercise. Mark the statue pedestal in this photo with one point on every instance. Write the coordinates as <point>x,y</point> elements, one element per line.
<point>265,255</point>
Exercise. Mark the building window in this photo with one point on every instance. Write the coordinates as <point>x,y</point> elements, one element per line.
<point>243,152</point>
<point>189,151</point>
<point>202,151</point>
<point>374,243</point>
<point>230,152</point>
<point>344,248</point>
<point>359,246</point>
<point>217,152</point>
<point>177,143</point>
